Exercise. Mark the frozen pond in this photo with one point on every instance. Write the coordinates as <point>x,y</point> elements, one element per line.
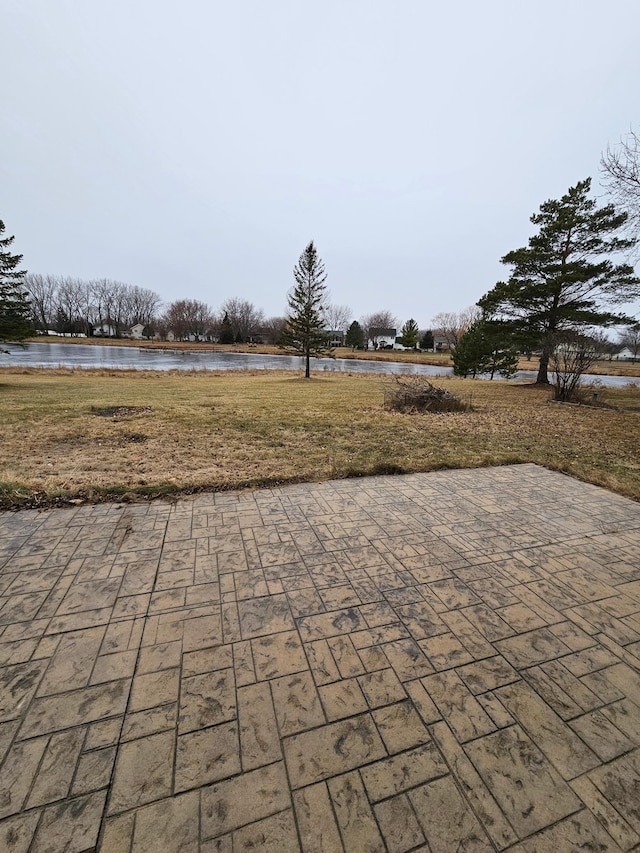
<point>140,358</point>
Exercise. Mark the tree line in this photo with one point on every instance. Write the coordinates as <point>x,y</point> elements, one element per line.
<point>104,307</point>
<point>76,306</point>
<point>111,308</point>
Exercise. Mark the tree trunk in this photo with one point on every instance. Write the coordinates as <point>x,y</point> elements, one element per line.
<point>307,369</point>
<point>543,369</point>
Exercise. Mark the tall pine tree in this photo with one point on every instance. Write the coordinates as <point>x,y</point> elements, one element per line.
<point>564,280</point>
<point>15,324</point>
<point>355,336</point>
<point>304,333</point>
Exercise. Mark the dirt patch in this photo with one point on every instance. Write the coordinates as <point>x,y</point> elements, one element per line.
<point>121,411</point>
<point>135,437</point>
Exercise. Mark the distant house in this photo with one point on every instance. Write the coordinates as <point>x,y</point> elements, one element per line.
<point>626,354</point>
<point>135,332</point>
<point>105,330</point>
<point>440,341</point>
<point>336,337</point>
<point>380,338</point>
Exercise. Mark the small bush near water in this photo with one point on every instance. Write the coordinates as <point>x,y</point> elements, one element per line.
<point>417,394</point>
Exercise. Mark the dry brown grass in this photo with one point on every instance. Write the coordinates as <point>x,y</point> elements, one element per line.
<point>224,430</point>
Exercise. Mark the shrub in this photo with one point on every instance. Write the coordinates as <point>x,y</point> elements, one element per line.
<point>572,355</point>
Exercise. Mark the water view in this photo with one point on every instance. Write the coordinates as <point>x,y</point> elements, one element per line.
<point>134,358</point>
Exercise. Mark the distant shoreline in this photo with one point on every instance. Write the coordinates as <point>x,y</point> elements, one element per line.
<point>601,368</point>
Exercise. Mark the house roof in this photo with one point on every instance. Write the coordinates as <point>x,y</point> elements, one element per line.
<point>381,332</point>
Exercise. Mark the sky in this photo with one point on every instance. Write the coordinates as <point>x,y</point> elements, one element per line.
<point>196,147</point>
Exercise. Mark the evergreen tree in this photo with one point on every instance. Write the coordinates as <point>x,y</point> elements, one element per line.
<point>483,348</point>
<point>427,341</point>
<point>304,332</point>
<point>468,357</point>
<point>14,305</point>
<point>409,334</point>
<point>503,361</point>
<point>355,336</point>
<point>563,280</point>
<point>226,330</point>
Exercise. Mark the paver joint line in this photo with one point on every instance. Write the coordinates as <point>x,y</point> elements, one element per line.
<point>432,661</point>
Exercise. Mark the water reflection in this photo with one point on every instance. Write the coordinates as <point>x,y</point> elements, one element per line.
<point>116,357</point>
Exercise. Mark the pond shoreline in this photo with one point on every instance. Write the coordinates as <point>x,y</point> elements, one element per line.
<point>443,360</point>
<point>81,355</point>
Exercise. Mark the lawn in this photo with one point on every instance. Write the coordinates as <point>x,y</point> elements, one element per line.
<point>122,434</point>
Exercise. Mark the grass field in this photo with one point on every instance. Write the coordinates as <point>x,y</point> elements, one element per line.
<point>181,432</point>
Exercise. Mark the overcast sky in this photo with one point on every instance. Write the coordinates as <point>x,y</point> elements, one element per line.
<point>195,147</point>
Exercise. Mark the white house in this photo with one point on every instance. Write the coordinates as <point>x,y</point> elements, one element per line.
<point>625,354</point>
<point>136,331</point>
<point>380,338</point>
<point>106,330</point>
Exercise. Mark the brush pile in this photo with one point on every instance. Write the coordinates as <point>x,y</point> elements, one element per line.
<point>417,394</point>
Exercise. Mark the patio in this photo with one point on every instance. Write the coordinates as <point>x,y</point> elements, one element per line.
<point>446,661</point>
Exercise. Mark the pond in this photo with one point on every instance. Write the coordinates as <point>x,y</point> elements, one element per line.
<point>140,358</point>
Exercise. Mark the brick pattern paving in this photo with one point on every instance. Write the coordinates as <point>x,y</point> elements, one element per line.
<point>444,662</point>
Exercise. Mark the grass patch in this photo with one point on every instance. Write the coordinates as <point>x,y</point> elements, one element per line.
<point>188,432</point>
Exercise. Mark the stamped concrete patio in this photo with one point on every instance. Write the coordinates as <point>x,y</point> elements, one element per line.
<point>445,662</point>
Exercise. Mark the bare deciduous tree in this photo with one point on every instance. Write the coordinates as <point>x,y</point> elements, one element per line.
<point>337,317</point>
<point>111,300</point>
<point>42,292</point>
<point>630,339</point>
<point>188,317</point>
<point>143,305</point>
<point>453,324</point>
<point>71,306</point>
<point>273,328</point>
<point>620,166</point>
<point>244,317</point>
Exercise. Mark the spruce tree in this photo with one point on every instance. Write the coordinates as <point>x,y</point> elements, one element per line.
<point>355,336</point>
<point>564,280</point>
<point>427,341</point>
<point>409,334</point>
<point>226,330</point>
<point>15,312</point>
<point>304,333</point>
